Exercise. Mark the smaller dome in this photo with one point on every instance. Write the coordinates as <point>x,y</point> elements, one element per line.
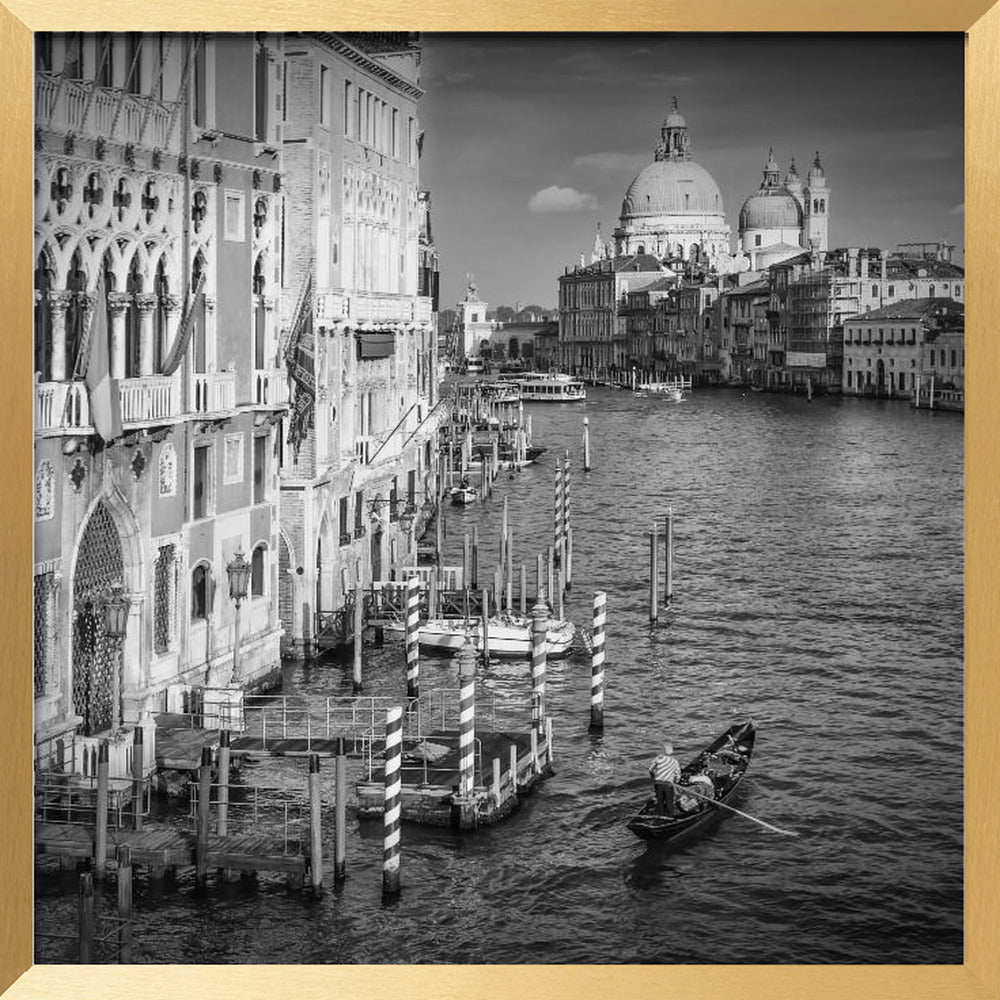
<point>771,208</point>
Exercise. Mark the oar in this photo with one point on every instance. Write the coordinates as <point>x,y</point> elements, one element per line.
<point>688,790</point>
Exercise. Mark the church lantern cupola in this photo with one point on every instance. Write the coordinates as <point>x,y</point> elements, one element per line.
<point>675,143</point>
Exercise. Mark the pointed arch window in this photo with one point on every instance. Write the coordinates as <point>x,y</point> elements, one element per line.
<point>133,286</point>
<point>162,288</point>
<point>76,310</point>
<point>200,339</point>
<point>43,320</point>
<point>257,571</point>
<point>201,591</point>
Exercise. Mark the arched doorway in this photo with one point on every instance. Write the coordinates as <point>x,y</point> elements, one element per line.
<point>96,659</point>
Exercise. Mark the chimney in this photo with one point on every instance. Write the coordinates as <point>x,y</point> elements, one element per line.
<point>863,264</point>
<point>852,262</point>
<point>884,256</point>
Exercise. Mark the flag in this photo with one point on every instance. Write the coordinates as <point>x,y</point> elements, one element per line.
<point>105,403</point>
<point>183,337</point>
<point>299,358</point>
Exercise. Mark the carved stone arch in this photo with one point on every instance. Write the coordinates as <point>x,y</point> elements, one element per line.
<point>138,254</point>
<point>106,556</point>
<point>288,586</point>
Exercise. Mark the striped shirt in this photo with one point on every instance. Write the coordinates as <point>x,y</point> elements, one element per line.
<point>665,768</point>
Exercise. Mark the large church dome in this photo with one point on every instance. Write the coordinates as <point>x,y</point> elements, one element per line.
<point>673,208</point>
<point>673,186</point>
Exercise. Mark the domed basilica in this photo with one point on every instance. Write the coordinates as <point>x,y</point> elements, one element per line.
<point>673,209</point>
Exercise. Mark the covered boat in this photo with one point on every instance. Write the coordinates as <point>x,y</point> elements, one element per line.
<point>509,635</point>
<point>716,772</point>
<point>462,495</point>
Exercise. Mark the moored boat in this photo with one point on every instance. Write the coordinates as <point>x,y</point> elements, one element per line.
<point>509,635</point>
<point>463,495</point>
<point>723,763</point>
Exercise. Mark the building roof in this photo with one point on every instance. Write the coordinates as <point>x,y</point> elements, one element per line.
<point>758,287</point>
<point>672,187</point>
<point>771,208</point>
<point>911,309</point>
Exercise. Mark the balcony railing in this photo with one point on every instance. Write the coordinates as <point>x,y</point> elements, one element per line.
<point>213,392</point>
<point>383,308</point>
<point>61,404</point>
<point>270,387</point>
<point>150,397</point>
<point>109,112</point>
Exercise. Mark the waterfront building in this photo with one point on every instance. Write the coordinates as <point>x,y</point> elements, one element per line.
<point>742,330</point>
<point>592,323</point>
<point>811,296</point>
<point>890,352</point>
<point>474,327</point>
<point>156,237</point>
<point>358,458</point>
<point>673,208</point>
<point>545,348</point>
<point>782,218</point>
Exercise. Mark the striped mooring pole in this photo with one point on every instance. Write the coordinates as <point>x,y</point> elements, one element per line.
<point>566,496</point>
<point>413,637</point>
<point>597,662</point>
<point>539,627</point>
<point>393,762</point>
<point>557,511</point>
<point>467,717</point>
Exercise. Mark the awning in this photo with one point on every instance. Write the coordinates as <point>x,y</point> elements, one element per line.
<point>376,345</point>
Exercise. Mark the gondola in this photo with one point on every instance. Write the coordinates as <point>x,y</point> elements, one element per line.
<point>724,762</point>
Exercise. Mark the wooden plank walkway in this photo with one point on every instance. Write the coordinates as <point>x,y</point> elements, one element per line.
<point>165,848</point>
<point>292,746</point>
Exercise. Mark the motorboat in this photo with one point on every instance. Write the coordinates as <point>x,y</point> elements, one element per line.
<point>509,635</point>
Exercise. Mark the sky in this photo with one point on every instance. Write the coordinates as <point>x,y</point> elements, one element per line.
<point>531,140</point>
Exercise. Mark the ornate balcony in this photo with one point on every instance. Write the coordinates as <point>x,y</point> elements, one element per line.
<point>106,112</point>
<point>270,387</point>
<point>61,405</point>
<point>213,392</point>
<point>144,400</point>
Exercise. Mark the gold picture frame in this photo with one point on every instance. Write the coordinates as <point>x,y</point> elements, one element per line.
<point>979,977</point>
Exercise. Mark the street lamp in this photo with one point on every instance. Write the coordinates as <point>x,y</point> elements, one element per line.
<point>115,623</point>
<point>239,579</point>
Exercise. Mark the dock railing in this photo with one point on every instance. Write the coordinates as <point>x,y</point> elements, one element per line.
<point>263,811</point>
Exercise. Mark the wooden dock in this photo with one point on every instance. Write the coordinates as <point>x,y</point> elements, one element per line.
<point>506,768</point>
<point>162,849</point>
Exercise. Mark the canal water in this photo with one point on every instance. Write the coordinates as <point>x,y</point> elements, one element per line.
<point>818,588</point>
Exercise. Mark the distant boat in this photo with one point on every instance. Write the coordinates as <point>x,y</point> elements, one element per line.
<point>553,387</point>
<point>672,391</point>
<point>474,366</point>
<point>463,495</point>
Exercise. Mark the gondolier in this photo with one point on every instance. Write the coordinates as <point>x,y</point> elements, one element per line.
<point>665,770</point>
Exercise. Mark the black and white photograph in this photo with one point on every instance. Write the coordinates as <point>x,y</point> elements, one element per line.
<point>499,499</point>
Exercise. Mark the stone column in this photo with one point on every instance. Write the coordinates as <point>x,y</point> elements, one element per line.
<point>269,303</point>
<point>146,304</point>
<point>58,303</point>
<point>173,304</point>
<point>118,303</point>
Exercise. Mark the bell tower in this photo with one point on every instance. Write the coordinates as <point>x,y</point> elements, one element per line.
<point>817,207</point>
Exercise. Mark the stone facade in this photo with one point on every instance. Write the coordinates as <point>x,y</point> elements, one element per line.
<point>149,182</point>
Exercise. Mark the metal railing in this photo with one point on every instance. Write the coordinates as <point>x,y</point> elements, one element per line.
<point>72,800</point>
<point>259,809</point>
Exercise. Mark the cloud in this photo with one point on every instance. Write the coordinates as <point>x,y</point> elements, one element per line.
<point>959,209</point>
<point>560,199</point>
<point>613,162</point>
<point>459,76</point>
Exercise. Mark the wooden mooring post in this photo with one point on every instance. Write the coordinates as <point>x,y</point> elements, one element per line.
<point>359,631</point>
<point>654,604</point>
<point>523,597</point>
<point>569,558</point>
<point>486,627</point>
<point>86,918</point>
<point>340,812</point>
<point>669,569</point>
<point>124,858</point>
<point>222,793</point>
<point>315,829</point>
<point>204,804</point>
<point>137,777</point>
<point>101,813</point>
<point>586,444</point>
